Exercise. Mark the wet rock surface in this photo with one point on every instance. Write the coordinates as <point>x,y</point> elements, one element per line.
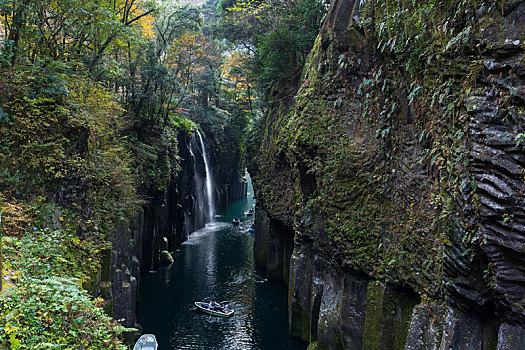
<point>425,328</point>
<point>125,270</point>
<point>496,166</point>
<point>353,311</point>
<point>511,337</point>
<point>461,331</point>
<point>165,258</point>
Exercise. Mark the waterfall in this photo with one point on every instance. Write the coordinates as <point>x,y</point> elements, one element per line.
<point>209,181</point>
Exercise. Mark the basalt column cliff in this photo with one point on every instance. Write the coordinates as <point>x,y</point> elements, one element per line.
<point>390,184</point>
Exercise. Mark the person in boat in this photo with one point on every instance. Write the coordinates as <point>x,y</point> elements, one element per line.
<point>213,304</point>
<point>226,308</point>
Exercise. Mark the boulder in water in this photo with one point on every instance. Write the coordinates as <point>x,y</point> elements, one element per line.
<point>165,258</point>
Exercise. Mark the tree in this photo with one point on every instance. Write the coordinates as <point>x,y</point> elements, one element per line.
<point>69,30</point>
<point>14,13</point>
<point>153,86</point>
<point>278,34</point>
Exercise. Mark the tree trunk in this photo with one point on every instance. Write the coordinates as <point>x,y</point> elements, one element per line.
<point>16,29</point>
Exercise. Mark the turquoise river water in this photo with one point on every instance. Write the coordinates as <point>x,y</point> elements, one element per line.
<point>216,262</point>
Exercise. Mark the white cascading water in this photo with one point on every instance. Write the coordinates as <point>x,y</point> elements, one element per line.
<point>209,181</point>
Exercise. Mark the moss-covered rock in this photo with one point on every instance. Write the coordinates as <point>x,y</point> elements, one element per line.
<point>374,316</point>
<point>165,258</point>
<point>312,346</point>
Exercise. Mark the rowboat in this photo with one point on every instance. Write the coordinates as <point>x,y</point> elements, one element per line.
<point>214,311</point>
<point>236,221</point>
<point>146,342</point>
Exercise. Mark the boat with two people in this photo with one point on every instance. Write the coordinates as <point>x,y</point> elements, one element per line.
<point>146,342</point>
<point>236,220</point>
<point>215,309</point>
<point>250,212</point>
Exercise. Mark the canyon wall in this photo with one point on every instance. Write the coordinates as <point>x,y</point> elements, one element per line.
<point>390,184</point>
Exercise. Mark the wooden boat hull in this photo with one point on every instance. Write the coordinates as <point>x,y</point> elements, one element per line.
<point>205,308</point>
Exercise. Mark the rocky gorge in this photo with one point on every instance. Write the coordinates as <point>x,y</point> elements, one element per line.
<point>166,222</point>
<point>385,143</point>
<point>390,179</point>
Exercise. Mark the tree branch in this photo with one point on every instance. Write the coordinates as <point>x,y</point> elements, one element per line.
<point>139,17</point>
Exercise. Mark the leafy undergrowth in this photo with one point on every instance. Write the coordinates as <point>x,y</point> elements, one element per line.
<point>54,313</point>
<point>45,306</point>
<point>46,252</point>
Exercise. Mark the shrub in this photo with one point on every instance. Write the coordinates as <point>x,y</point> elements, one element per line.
<point>54,313</point>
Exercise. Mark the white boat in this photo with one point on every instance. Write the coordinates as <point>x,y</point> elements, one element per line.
<point>146,342</point>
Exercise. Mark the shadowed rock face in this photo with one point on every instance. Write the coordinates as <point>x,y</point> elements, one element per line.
<point>496,166</point>
<point>426,196</point>
<point>425,328</point>
<point>491,277</point>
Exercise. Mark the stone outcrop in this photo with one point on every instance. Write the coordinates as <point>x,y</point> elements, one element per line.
<point>399,178</point>
<point>166,259</point>
<point>186,185</point>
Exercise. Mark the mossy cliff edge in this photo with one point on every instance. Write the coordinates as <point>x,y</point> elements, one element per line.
<point>393,176</point>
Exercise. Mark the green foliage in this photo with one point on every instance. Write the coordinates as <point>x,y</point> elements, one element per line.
<point>184,124</point>
<point>61,139</point>
<point>51,313</point>
<point>42,310</point>
<point>155,160</point>
<point>280,33</point>
<point>158,78</point>
<point>419,34</point>
<point>60,133</point>
<point>283,51</point>
<point>44,252</point>
<point>76,30</point>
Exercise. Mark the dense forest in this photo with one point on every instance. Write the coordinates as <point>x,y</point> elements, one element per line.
<point>385,140</point>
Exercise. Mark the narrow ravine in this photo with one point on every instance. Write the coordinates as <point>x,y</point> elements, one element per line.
<point>216,261</point>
